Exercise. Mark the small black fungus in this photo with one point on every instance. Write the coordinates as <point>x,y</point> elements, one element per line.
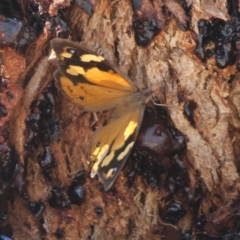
<point>177,178</point>
<point>179,141</point>
<point>4,208</point>
<point>24,195</point>
<point>59,199</point>
<point>10,95</point>
<point>76,191</point>
<point>46,159</point>
<point>223,54</point>
<point>145,30</point>
<point>76,194</point>
<point>203,28</point>
<point>137,4</point>
<point>11,9</point>
<point>80,178</point>
<point>47,162</point>
<point>186,236</point>
<point>8,162</point>
<point>112,191</point>
<point>223,36</point>
<point>172,213</point>
<point>151,171</point>
<point>3,81</point>
<point>38,15</point>
<point>42,128</point>
<point>98,211</point>
<point>59,233</point>
<point>86,5</point>
<point>36,208</point>
<point>155,231</point>
<point>189,109</point>
<point>58,25</point>
<point>200,222</point>
<point>3,111</point>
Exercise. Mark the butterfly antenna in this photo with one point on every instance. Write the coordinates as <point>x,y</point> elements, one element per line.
<point>149,97</point>
<point>95,119</point>
<point>163,105</point>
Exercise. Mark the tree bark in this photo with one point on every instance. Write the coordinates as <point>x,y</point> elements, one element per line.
<point>45,137</point>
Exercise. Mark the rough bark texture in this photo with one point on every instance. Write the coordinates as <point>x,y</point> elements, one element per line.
<point>44,137</point>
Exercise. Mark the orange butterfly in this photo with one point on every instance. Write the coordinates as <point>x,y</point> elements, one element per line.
<point>94,84</point>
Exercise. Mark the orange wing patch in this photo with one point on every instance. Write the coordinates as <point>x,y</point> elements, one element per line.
<point>94,75</point>
<point>92,97</point>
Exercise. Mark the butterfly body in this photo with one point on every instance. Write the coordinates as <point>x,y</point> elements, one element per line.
<point>95,85</point>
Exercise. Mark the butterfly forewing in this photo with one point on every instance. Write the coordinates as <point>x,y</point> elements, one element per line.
<point>84,66</point>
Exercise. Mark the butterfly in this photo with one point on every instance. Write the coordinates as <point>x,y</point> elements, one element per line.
<point>94,84</point>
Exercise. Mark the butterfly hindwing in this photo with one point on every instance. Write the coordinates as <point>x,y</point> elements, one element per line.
<point>112,144</point>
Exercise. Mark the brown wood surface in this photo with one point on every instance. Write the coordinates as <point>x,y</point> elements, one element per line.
<point>169,67</point>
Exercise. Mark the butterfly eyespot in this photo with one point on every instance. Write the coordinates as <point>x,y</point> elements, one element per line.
<point>70,50</point>
<point>82,98</point>
<point>98,144</point>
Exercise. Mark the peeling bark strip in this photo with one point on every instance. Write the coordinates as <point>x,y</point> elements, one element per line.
<point>193,194</point>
